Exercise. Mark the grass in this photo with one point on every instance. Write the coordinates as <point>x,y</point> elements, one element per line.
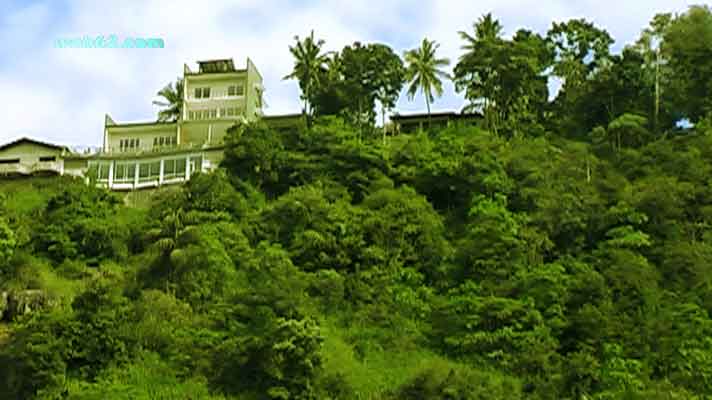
<point>378,371</point>
<point>148,378</point>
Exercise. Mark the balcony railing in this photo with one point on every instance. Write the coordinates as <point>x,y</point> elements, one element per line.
<point>27,169</point>
<point>158,150</point>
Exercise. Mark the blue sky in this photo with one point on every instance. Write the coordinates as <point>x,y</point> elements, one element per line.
<point>61,95</point>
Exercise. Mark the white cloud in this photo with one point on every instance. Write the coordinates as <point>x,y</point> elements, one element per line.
<point>61,95</point>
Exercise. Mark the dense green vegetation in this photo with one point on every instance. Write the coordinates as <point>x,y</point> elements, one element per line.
<point>562,250</point>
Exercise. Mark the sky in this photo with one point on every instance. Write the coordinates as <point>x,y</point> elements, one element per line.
<point>61,95</point>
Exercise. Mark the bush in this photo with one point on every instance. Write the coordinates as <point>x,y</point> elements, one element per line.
<point>459,383</point>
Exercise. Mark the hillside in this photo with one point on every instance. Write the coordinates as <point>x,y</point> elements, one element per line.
<point>527,247</point>
<point>317,266</point>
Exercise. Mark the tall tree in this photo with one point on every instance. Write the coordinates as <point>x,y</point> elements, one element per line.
<point>504,78</point>
<point>623,86</point>
<point>581,48</point>
<point>173,104</point>
<point>688,43</point>
<point>581,51</point>
<point>474,72</point>
<point>354,79</point>
<point>487,29</point>
<point>389,81</point>
<point>309,62</point>
<point>649,45</point>
<point>424,72</point>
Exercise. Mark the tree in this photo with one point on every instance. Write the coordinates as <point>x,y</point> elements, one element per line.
<point>629,128</point>
<point>649,45</point>
<point>354,79</point>
<point>424,73</point>
<point>173,104</point>
<point>369,72</point>
<point>581,48</point>
<point>389,81</point>
<point>581,51</point>
<point>309,62</point>
<point>688,44</point>
<point>505,78</point>
<point>624,86</point>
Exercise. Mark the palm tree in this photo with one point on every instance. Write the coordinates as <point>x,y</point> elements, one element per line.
<point>486,29</point>
<point>173,104</point>
<point>480,54</point>
<point>309,63</point>
<point>423,72</point>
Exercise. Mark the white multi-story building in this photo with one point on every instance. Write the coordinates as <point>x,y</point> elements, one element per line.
<point>140,155</point>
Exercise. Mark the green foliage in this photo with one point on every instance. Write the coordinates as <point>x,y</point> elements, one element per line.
<point>507,332</point>
<point>504,78</point>
<point>321,262</point>
<point>7,243</point>
<point>687,44</point>
<point>423,71</point>
<point>75,226</point>
<point>460,384</point>
<point>308,63</point>
<point>173,104</point>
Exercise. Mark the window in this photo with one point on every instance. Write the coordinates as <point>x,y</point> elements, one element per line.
<point>48,158</point>
<point>129,144</point>
<point>103,171</point>
<point>235,90</point>
<point>144,171</point>
<point>191,115</point>
<point>196,164</point>
<point>202,93</point>
<point>232,112</point>
<point>9,160</point>
<point>169,168</point>
<point>213,113</point>
<point>149,171</point>
<point>124,172</point>
<point>180,166</point>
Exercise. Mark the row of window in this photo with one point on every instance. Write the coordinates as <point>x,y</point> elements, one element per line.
<point>125,172</point>
<point>134,144</point>
<point>214,113</point>
<point>17,160</point>
<point>232,90</point>
<point>165,141</point>
<point>129,144</point>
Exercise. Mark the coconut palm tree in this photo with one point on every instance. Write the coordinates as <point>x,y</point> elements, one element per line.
<point>424,73</point>
<point>487,28</point>
<point>309,63</point>
<point>173,104</point>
